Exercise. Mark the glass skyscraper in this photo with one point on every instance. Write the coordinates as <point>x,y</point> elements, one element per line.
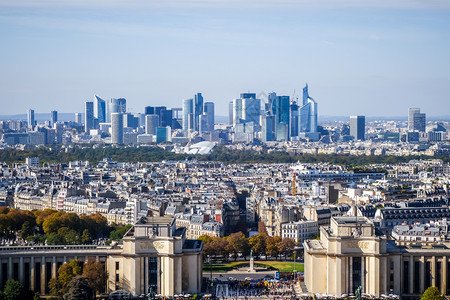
<point>198,109</point>
<point>416,120</point>
<point>188,111</point>
<point>308,113</point>
<point>88,116</point>
<point>358,127</point>
<point>117,128</point>
<point>100,109</point>
<point>115,105</point>
<point>30,119</point>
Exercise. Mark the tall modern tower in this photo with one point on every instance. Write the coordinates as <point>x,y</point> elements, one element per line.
<point>208,109</point>
<point>100,109</point>
<point>268,128</point>
<point>151,123</point>
<point>308,113</point>
<point>78,118</point>
<point>294,119</point>
<point>198,109</point>
<point>188,114</point>
<point>117,128</point>
<point>281,111</point>
<point>115,105</point>
<point>88,116</point>
<point>416,120</point>
<point>358,127</point>
<point>54,116</point>
<point>30,117</point>
<point>251,108</point>
<point>237,111</point>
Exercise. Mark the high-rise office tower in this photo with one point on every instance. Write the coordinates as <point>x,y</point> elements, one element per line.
<point>281,111</point>
<point>203,123</point>
<point>165,117</point>
<point>308,113</point>
<point>115,105</point>
<point>88,116</point>
<point>237,111</point>
<point>268,128</point>
<point>163,134</point>
<point>358,127</point>
<point>54,116</point>
<point>149,110</point>
<point>230,112</point>
<point>30,119</point>
<point>151,123</point>
<point>251,108</point>
<point>100,109</point>
<point>294,119</point>
<point>117,128</point>
<point>78,118</point>
<point>416,120</point>
<point>188,109</point>
<point>208,109</point>
<point>198,109</point>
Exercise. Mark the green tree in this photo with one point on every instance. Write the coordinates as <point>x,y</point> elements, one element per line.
<point>86,237</point>
<point>13,290</point>
<point>27,230</point>
<point>431,293</point>
<point>257,243</point>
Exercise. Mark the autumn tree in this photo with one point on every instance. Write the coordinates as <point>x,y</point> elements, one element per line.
<point>287,246</point>
<point>257,243</point>
<point>273,246</point>
<point>237,243</point>
<point>80,289</point>
<point>60,285</point>
<point>95,274</point>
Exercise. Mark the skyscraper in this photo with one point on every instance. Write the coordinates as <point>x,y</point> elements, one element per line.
<point>251,108</point>
<point>30,119</point>
<point>416,120</point>
<point>88,116</point>
<point>117,128</point>
<point>281,111</point>
<point>268,128</point>
<point>237,111</point>
<point>100,109</point>
<point>78,118</point>
<point>165,117</point>
<point>208,109</point>
<point>198,109</point>
<point>188,110</point>
<point>54,116</point>
<point>230,112</point>
<point>308,113</point>
<point>358,127</point>
<point>294,119</point>
<point>115,105</point>
<point>151,123</point>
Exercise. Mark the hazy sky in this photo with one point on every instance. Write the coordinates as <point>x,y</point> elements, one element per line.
<point>359,57</point>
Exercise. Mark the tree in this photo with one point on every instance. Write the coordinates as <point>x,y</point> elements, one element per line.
<point>287,246</point>
<point>257,243</point>
<point>95,274</point>
<point>13,290</point>
<point>80,289</point>
<point>27,230</point>
<point>86,237</point>
<point>237,244</point>
<point>273,246</point>
<point>60,285</point>
<point>431,293</point>
<point>262,227</point>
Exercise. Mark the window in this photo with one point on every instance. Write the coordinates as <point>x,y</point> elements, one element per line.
<point>117,278</point>
<point>117,265</point>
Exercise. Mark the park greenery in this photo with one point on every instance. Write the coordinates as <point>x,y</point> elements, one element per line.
<point>432,293</point>
<point>13,290</point>
<point>236,244</point>
<point>56,154</point>
<point>54,227</point>
<point>75,279</point>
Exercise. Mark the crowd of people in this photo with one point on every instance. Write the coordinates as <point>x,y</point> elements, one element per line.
<point>265,288</point>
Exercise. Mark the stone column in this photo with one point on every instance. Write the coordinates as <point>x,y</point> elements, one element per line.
<point>54,266</point>
<point>10,268</point>
<point>32,274</point>
<point>363,273</point>
<point>444,276</point>
<point>411,274</point>
<point>43,283</point>
<point>21,267</point>
<point>350,273</point>
<point>422,274</point>
<point>146,279</point>
<point>433,271</point>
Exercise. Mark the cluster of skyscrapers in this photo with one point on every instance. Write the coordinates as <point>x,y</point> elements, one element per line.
<point>280,119</point>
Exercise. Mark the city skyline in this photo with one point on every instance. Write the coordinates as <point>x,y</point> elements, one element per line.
<point>359,57</point>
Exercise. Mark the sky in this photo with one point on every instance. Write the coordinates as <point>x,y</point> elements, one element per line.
<point>371,57</point>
